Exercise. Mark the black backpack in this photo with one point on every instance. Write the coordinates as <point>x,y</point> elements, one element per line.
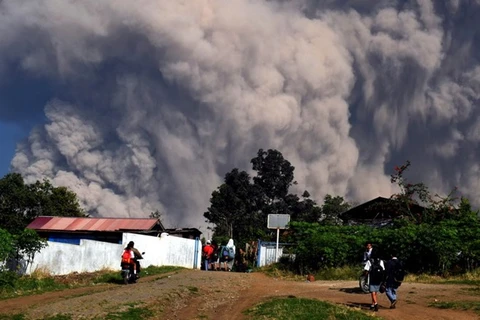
<point>398,272</point>
<point>376,272</point>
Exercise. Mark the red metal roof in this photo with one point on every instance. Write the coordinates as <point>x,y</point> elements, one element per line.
<point>91,224</point>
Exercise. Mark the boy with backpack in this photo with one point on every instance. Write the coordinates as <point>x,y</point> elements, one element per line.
<point>227,255</point>
<point>395,276</point>
<point>376,272</point>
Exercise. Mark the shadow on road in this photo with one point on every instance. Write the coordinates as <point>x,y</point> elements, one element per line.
<point>358,305</point>
<point>355,290</point>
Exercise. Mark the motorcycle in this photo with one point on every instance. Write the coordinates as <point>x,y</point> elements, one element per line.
<point>127,273</point>
<point>364,282</point>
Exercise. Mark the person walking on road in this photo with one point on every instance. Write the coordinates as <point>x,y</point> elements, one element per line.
<point>395,275</point>
<point>207,252</point>
<point>375,269</point>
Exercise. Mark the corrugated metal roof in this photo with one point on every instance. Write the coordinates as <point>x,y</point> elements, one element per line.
<point>91,224</point>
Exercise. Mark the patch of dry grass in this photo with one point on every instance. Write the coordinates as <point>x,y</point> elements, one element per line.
<point>469,278</point>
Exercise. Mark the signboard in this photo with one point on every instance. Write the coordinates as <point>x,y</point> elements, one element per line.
<point>278,221</point>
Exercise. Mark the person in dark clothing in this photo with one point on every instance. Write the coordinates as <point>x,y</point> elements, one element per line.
<point>392,284</point>
<point>376,272</point>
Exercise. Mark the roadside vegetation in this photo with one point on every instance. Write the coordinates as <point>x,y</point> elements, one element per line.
<point>435,235</point>
<point>12,285</point>
<point>131,313</point>
<point>351,273</point>
<point>292,308</point>
<point>458,305</point>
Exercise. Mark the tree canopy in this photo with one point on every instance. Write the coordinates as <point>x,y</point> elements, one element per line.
<point>240,206</point>
<point>21,203</point>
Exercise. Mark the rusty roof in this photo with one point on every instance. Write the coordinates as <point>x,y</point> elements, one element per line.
<point>43,223</point>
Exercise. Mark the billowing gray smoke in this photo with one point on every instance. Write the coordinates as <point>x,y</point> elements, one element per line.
<point>151,102</point>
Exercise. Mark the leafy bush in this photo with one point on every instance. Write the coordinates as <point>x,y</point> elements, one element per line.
<point>444,247</point>
<point>6,246</point>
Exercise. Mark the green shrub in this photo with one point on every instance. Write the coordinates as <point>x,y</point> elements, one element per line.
<point>444,247</point>
<point>299,308</point>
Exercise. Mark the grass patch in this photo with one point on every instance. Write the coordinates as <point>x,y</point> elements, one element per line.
<point>59,317</point>
<point>115,277</point>
<point>13,316</point>
<point>468,278</point>
<point>342,273</point>
<point>458,305</point>
<point>274,271</point>
<point>27,285</point>
<point>473,291</point>
<point>12,285</point>
<point>192,289</point>
<point>130,314</point>
<point>303,309</point>
<point>351,273</point>
<point>23,317</point>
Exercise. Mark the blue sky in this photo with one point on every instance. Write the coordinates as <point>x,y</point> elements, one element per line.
<point>22,100</point>
<point>11,134</point>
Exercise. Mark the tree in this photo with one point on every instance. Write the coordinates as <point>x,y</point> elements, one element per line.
<point>274,174</point>
<point>156,214</point>
<point>332,208</point>
<point>53,201</point>
<point>26,244</point>
<point>15,200</point>
<point>239,208</point>
<point>6,247</point>
<point>305,210</point>
<point>20,203</point>
<point>233,207</point>
<point>413,195</point>
<point>274,178</point>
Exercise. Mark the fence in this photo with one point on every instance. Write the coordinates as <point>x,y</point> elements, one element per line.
<point>267,252</point>
<point>90,255</point>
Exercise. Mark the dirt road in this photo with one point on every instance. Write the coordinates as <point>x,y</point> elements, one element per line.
<point>192,294</point>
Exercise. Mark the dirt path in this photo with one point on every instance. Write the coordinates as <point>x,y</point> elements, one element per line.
<point>225,295</point>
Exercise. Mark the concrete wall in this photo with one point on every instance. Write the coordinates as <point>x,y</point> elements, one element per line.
<point>61,258</point>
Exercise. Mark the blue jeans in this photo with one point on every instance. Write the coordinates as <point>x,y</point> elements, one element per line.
<point>207,264</point>
<point>391,292</point>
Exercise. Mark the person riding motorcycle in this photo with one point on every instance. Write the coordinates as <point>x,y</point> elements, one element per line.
<point>130,259</point>
<point>136,256</point>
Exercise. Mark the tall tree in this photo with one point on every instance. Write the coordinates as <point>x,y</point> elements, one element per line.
<point>239,208</point>
<point>20,203</point>
<point>305,210</point>
<point>415,202</point>
<point>233,207</point>
<point>53,201</point>
<point>15,201</point>
<point>274,174</point>
<point>332,207</point>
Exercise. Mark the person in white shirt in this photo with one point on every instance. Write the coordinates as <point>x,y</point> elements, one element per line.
<point>368,252</point>
<point>375,268</point>
<point>231,261</point>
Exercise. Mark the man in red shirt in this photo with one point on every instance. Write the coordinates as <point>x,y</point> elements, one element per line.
<point>207,252</point>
